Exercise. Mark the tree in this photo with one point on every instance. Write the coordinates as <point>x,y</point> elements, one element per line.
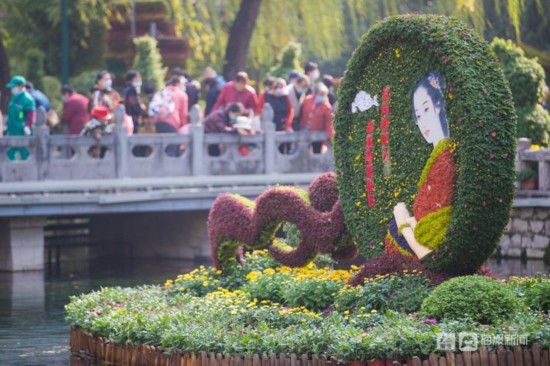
<point>527,79</point>
<point>148,61</point>
<point>239,38</point>
<point>327,29</point>
<point>37,24</point>
<point>34,67</point>
<point>4,74</point>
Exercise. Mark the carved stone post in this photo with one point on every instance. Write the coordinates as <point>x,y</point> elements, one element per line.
<point>121,143</point>
<point>270,146</point>
<point>197,129</point>
<point>42,133</point>
<point>523,144</point>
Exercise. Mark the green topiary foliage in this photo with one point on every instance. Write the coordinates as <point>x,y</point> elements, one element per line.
<point>34,67</point>
<point>527,80</point>
<point>476,297</point>
<point>288,60</point>
<point>392,57</point>
<point>148,60</point>
<point>525,76</point>
<point>534,123</point>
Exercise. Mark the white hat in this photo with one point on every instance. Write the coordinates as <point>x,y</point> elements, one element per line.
<point>243,122</point>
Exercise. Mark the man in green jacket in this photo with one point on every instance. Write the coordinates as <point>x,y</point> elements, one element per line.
<point>21,115</point>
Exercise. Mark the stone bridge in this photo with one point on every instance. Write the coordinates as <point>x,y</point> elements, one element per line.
<point>148,183</point>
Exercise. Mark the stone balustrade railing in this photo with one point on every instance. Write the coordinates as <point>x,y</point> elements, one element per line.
<point>66,157</point>
<point>536,160</point>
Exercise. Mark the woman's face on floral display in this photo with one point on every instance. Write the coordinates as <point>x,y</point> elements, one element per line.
<point>427,116</point>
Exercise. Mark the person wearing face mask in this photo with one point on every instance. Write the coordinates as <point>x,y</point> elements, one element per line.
<point>316,114</point>
<point>283,112</point>
<point>297,93</point>
<point>103,93</point>
<point>311,69</point>
<point>222,120</point>
<point>21,115</point>
<point>133,106</point>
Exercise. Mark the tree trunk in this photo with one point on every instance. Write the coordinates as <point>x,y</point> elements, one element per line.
<point>4,75</point>
<point>239,38</point>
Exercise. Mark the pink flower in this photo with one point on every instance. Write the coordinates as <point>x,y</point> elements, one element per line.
<point>386,94</point>
<point>384,124</point>
<point>430,321</point>
<point>370,126</point>
<point>385,139</point>
<point>368,143</point>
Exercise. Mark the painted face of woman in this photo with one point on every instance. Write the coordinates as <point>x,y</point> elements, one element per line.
<point>427,116</point>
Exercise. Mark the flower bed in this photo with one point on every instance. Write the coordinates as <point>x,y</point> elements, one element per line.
<point>263,308</point>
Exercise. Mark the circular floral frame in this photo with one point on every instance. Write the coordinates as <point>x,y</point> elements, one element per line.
<point>379,139</point>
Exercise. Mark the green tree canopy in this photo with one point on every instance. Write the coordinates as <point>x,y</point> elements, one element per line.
<point>527,80</point>
<point>34,67</point>
<point>327,29</point>
<point>37,24</point>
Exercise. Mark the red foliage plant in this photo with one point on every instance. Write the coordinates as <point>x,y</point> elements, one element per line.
<point>397,263</point>
<point>235,221</point>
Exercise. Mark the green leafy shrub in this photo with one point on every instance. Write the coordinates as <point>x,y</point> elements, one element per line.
<point>226,321</point>
<point>404,294</point>
<point>288,60</point>
<point>84,82</point>
<point>534,123</point>
<point>525,76</point>
<point>527,80</point>
<point>198,282</point>
<point>524,174</point>
<point>259,260</point>
<point>292,234</point>
<point>476,297</point>
<point>534,291</point>
<point>313,294</point>
<point>268,287</point>
<point>148,60</point>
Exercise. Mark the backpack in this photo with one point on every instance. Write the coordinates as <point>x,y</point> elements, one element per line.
<point>162,104</point>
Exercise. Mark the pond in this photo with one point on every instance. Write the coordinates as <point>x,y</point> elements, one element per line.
<point>32,327</point>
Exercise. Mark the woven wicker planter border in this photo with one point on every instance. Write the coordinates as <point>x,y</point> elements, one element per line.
<point>84,344</point>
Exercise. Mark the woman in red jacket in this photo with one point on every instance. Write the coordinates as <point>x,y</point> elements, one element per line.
<point>316,114</point>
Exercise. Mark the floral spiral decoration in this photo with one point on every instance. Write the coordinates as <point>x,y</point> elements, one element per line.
<point>235,221</point>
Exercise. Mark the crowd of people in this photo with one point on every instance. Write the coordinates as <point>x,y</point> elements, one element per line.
<point>302,101</point>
